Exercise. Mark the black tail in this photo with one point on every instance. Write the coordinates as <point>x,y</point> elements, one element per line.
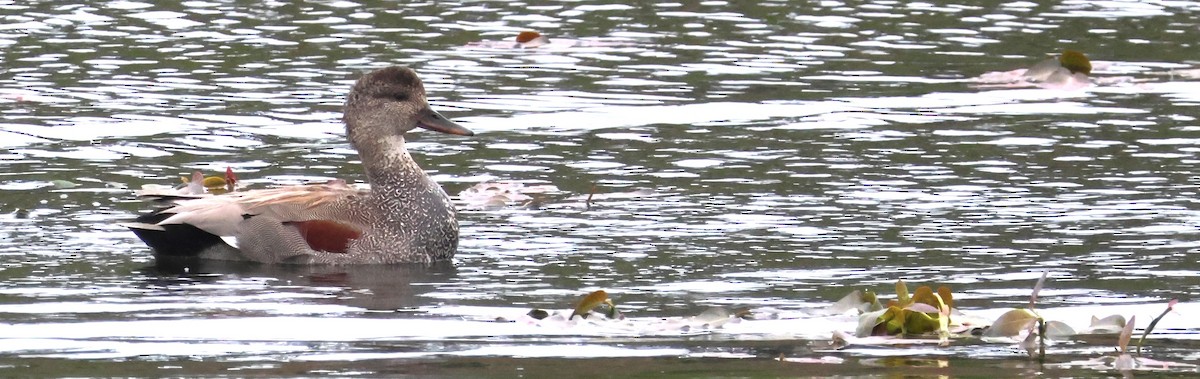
<point>177,240</point>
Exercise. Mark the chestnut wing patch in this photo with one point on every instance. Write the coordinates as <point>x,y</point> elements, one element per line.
<point>326,235</point>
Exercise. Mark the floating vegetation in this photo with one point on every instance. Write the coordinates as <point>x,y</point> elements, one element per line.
<point>1153,323</point>
<point>215,185</point>
<point>1070,70</point>
<point>63,184</point>
<point>533,40</point>
<point>1124,361</point>
<point>1075,62</point>
<point>197,185</point>
<point>500,195</point>
<point>923,312</point>
<point>908,320</point>
<point>923,317</point>
<point>612,321</point>
<point>593,300</point>
<point>493,195</point>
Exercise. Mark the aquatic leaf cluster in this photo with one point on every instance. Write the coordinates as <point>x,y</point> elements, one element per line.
<point>215,185</point>
<point>925,312</point>
<point>922,312</point>
<point>197,185</point>
<point>908,319</point>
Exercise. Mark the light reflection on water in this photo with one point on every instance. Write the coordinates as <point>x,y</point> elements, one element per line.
<point>773,155</point>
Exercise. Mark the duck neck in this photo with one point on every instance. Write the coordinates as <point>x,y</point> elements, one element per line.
<point>390,169</point>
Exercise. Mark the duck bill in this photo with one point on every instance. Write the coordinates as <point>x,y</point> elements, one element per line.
<point>436,122</point>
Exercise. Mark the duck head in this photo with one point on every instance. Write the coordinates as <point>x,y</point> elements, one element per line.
<point>389,102</point>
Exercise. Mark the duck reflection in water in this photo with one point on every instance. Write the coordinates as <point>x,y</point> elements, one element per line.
<point>370,287</point>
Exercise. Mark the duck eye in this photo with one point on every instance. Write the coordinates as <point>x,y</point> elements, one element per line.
<point>400,97</point>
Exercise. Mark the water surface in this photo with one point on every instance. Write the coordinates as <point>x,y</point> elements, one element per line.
<point>773,156</point>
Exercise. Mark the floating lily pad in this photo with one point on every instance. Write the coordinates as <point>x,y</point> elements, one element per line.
<point>63,184</point>
<point>1011,323</point>
<point>1109,325</point>
<point>1059,329</point>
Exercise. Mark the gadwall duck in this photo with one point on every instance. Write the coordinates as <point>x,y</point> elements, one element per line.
<point>405,217</point>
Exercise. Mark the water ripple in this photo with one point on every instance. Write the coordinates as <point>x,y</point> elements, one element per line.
<point>718,153</point>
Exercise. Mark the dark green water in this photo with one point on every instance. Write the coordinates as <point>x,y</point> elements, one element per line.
<point>771,155</point>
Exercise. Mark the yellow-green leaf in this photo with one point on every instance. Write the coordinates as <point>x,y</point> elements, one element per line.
<point>893,321</point>
<point>214,182</point>
<point>872,300</point>
<point>867,323</point>
<point>948,299</point>
<point>919,322</point>
<point>612,310</point>
<point>924,295</point>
